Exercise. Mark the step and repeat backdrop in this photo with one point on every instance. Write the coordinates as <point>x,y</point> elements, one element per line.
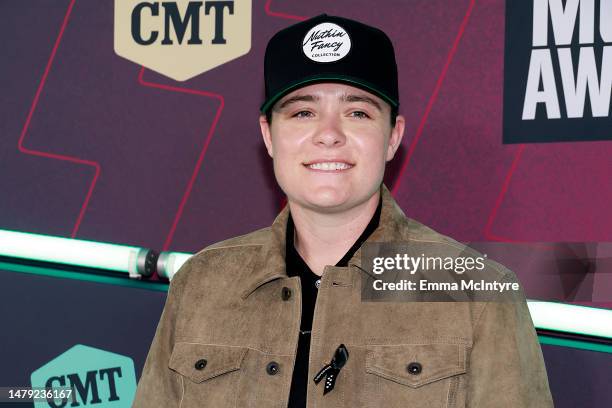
<point>135,123</point>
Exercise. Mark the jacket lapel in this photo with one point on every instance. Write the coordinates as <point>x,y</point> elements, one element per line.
<point>270,265</point>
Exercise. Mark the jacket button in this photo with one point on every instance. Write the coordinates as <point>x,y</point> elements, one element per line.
<point>286,293</point>
<point>272,368</point>
<point>414,368</point>
<point>200,364</point>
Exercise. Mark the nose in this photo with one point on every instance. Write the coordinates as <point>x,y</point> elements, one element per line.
<point>329,133</point>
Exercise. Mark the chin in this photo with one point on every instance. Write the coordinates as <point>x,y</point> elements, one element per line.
<point>328,198</point>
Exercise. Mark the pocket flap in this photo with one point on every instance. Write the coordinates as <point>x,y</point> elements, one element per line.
<point>416,364</point>
<point>201,362</point>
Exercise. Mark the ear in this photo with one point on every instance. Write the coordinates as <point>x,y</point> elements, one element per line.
<point>265,133</point>
<point>397,133</point>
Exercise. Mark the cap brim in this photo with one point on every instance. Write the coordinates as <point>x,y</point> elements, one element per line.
<point>359,83</point>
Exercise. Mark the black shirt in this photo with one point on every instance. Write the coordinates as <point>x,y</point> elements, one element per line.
<point>310,282</point>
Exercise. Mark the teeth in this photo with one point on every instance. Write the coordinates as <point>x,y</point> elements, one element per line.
<point>330,166</point>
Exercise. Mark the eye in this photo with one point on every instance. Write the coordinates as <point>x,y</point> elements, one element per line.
<point>360,115</point>
<point>302,114</point>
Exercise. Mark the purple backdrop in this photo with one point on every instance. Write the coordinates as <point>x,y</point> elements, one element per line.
<point>96,147</point>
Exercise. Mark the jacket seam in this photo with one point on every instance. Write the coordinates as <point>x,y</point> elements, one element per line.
<point>240,381</point>
<point>479,319</point>
<point>229,246</point>
<point>231,345</point>
<point>182,390</point>
<point>456,245</point>
<point>456,341</point>
<point>448,392</point>
<point>176,290</point>
<point>453,387</point>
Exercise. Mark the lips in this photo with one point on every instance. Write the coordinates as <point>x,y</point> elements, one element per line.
<point>329,165</point>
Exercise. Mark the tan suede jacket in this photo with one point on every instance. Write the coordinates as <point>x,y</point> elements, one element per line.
<point>229,331</point>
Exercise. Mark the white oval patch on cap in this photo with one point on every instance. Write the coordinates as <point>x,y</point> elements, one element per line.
<point>326,42</point>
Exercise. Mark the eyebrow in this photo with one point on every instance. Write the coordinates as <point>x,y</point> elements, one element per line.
<point>314,98</point>
<point>297,98</point>
<point>361,98</point>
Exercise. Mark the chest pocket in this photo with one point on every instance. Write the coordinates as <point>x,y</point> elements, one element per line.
<point>209,373</point>
<point>415,375</point>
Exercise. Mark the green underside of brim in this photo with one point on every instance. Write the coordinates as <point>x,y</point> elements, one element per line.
<point>324,78</point>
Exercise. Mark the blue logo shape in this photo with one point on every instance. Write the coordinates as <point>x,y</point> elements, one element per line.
<point>97,377</point>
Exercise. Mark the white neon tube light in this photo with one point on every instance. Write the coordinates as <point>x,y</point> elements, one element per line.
<point>569,318</point>
<point>169,263</point>
<point>46,248</point>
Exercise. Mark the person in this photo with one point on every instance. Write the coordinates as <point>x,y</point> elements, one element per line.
<point>276,317</point>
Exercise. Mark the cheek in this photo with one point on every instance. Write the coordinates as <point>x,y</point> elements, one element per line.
<point>285,159</point>
<point>284,150</point>
<point>373,148</point>
<point>291,144</point>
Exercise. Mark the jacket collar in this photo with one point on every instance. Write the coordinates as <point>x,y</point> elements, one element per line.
<point>270,264</point>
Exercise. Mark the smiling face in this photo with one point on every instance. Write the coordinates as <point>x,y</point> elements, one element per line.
<point>330,143</point>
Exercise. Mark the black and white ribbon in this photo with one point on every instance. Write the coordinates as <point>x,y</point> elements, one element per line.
<point>330,371</point>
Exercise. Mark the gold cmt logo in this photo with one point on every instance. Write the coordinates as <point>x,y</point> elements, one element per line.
<point>181,38</point>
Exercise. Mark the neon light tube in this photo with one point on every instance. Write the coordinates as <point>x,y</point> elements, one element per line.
<point>135,261</point>
<point>563,317</point>
<point>169,263</point>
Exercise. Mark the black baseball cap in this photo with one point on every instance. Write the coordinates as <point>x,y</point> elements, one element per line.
<point>330,49</point>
